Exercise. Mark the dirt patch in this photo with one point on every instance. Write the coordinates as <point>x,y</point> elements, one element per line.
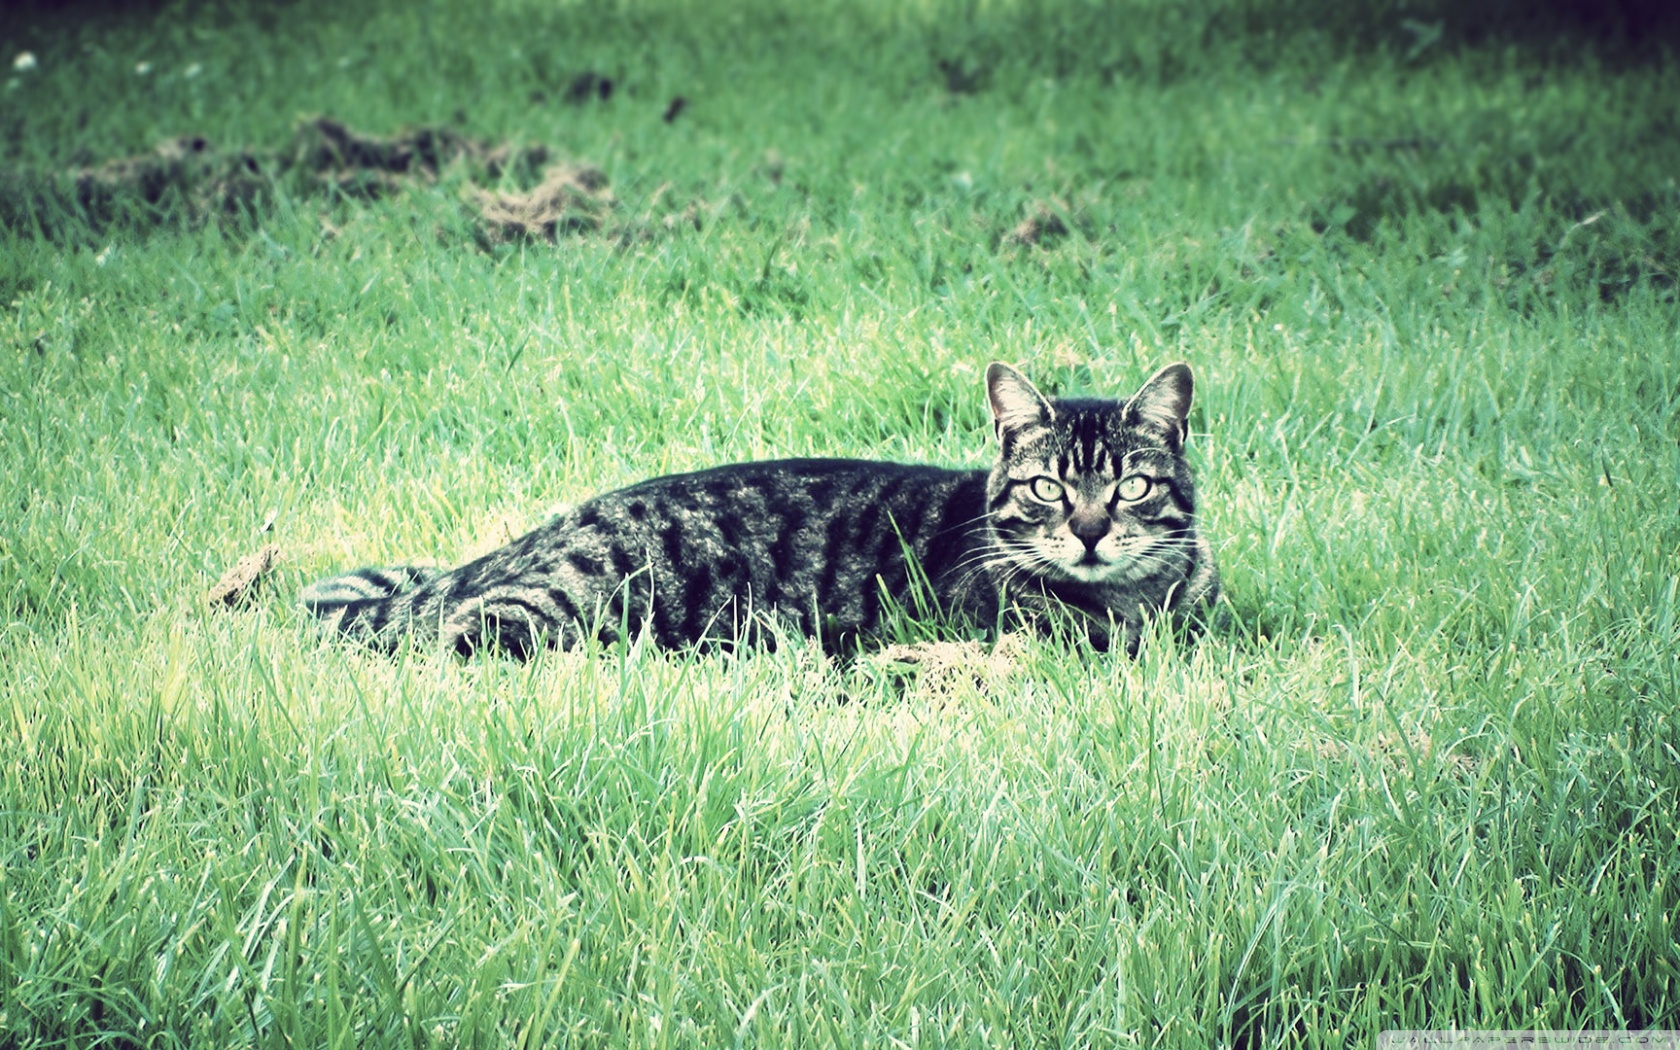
<point>188,179</point>
<point>184,171</point>
<point>947,669</point>
<point>569,199</point>
<point>1044,224</point>
<point>964,75</point>
<point>589,86</point>
<point>149,175</point>
<point>368,165</point>
<point>239,583</point>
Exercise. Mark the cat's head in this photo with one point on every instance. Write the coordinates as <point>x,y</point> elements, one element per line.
<point>1088,490</point>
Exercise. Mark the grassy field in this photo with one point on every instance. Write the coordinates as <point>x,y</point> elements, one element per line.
<point>1426,774</point>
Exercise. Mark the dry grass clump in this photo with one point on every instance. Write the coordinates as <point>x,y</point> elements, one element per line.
<point>239,583</point>
<point>188,177</point>
<point>1043,223</point>
<point>569,199</point>
<point>946,669</point>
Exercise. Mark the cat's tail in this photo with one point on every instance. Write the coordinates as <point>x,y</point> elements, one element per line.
<point>377,606</point>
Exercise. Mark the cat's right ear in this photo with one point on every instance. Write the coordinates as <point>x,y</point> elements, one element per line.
<point>1016,403</point>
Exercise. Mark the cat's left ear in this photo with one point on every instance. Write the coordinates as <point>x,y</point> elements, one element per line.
<point>1165,401</point>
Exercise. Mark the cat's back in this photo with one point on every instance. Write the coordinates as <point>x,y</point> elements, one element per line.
<point>690,550</point>
<point>827,483</point>
<point>790,510</point>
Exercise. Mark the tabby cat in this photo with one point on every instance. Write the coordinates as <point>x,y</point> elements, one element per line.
<point>1088,517</point>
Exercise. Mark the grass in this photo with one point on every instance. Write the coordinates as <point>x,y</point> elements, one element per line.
<point>1426,774</point>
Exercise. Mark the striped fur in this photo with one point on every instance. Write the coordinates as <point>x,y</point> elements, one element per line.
<point>825,546</point>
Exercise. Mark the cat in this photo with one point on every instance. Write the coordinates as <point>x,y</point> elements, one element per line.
<point>1086,517</point>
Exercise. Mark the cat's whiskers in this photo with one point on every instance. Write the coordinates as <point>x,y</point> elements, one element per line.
<point>1000,558</point>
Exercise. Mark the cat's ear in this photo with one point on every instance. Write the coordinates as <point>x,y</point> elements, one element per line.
<point>1165,401</point>
<point>1016,403</point>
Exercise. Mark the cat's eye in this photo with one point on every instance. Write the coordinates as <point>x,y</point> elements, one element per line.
<point>1049,490</point>
<point>1133,487</point>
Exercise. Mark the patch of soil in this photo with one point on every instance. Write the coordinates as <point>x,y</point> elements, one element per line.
<point>368,165</point>
<point>569,199</point>
<point>589,85</point>
<point>184,169</point>
<point>1044,224</point>
<point>188,179</point>
<point>945,669</point>
<point>239,583</point>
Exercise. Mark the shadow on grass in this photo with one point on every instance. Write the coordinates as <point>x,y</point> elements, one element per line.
<point>1614,30</point>
<point>1634,30</point>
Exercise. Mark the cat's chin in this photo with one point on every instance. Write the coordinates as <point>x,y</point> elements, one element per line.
<point>1084,571</point>
<point>1118,572</point>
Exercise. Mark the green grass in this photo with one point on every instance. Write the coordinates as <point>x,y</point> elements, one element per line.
<point>1425,775</point>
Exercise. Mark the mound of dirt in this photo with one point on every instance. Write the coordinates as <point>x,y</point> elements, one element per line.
<point>588,86</point>
<point>184,168</point>
<point>568,200</point>
<point>239,583</point>
<point>369,164</point>
<point>946,668</point>
<point>187,178</point>
<point>1043,224</point>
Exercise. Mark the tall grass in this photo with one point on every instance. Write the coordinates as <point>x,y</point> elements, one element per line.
<point>1424,775</point>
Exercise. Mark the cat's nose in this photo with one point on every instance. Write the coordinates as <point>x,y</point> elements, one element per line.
<point>1089,528</point>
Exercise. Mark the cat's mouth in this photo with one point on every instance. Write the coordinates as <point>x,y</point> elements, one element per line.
<point>1090,567</point>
